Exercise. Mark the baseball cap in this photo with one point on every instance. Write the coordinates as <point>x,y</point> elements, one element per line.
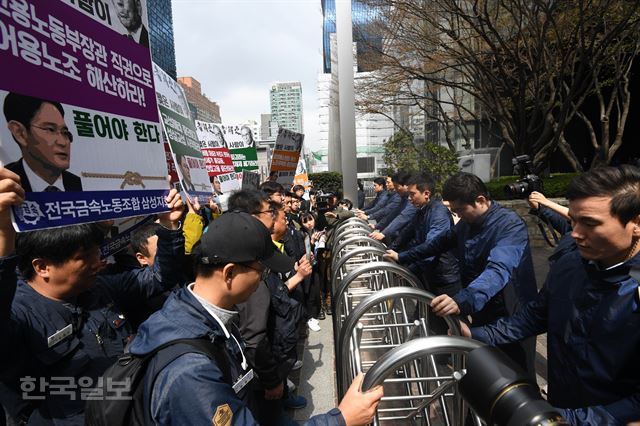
<point>238,237</point>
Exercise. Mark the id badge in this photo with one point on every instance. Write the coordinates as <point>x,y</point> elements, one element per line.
<point>242,381</point>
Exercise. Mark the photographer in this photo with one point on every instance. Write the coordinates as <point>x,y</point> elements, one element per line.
<point>496,268</point>
<point>589,306</point>
<point>557,217</point>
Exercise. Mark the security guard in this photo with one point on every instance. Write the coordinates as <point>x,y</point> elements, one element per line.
<point>61,322</point>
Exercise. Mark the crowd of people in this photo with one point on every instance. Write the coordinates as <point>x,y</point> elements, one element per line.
<point>215,305</point>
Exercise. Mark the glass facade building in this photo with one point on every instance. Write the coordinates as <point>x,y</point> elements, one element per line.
<point>163,49</point>
<point>361,15</point>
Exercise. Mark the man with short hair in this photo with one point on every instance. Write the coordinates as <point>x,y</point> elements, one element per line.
<point>62,319</point>
<point>439,273</point>
<point>379,186</point>
<point>496,269</point>
<point>129,12</point>
<point>233,256</point>
<point>389,228</point>
<point>144,243</point>
<point>274,190</point>
<point>590,304</point>
<point>39,128</point>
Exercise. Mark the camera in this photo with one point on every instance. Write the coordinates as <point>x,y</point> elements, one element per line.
<point>500,392</point>
<point>323,202</point>
<point>528,181</point>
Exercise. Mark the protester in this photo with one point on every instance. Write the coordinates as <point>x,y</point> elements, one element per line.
<point>316,238</point>
<point>496,269</point>
<point>233,256</point>
<point>62,320</point>
<point>589,306</point>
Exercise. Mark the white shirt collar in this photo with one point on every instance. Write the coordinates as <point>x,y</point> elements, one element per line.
<point>37,183</point>
<point>214,310</point>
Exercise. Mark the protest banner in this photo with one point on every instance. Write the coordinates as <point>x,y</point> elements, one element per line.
<point>284,160</point>
<point>250,180</point>
<point>302,177</point>
<point>70,75</point>
<point>217,156</point>
<point>239,140</point>
<point>180,132</point>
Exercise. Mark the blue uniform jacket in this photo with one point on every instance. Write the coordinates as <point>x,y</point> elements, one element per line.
<point>430,221</point>
<point>592,320</point>
<point>400,221</point>
<point>376,203</point>
<point>191,389</point>
<point>390,207</point>
<point>494,257</point>
<point>100,333</point>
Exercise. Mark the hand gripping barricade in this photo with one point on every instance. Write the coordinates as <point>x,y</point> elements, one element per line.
<point>494,387</point>
<point>378,306</point>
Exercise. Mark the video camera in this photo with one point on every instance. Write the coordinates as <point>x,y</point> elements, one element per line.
<point>323,203</point>
<point>528,182</point>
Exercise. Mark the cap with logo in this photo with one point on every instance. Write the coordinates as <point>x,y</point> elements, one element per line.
<point>238,237</point>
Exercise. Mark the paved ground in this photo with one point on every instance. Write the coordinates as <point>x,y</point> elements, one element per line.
<point>316,379</point>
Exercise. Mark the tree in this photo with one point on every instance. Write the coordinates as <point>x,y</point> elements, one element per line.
<point>523,68</point>
<point>401,152</point>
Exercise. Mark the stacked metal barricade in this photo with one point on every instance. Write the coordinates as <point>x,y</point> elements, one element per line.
<point>382,328</point>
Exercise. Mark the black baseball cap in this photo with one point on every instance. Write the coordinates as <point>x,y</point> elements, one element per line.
<point>238,237</point>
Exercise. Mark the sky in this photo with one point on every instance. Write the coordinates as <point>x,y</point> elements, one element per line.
<point>237,48</point>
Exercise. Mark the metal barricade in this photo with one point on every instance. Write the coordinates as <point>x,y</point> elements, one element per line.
<point>378,307</point>
<point>406,364</point>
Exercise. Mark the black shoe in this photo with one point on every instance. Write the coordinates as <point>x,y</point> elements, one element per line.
<point>321,314</point>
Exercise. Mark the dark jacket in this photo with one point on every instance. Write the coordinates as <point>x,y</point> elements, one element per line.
<point>70,181</point>
<point>100,332</point>
<point>592,321</point>
<point>440,271</point>
<point>377,203</point>
<point>191,389</point>
<point>389,208</point>
<point>494,257</point>
<point>400,221</point>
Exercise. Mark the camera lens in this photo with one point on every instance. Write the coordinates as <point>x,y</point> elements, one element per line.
<point>519,189</point>
<point>500,392</point>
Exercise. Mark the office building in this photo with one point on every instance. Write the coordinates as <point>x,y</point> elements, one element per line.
<point>163,50</point>
<point>286,105</point>
<point>202,108</point>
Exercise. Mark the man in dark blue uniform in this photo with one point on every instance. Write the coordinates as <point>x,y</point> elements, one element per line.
<point>233,257</point>
<point>494,257</point>
<point>62,323</point>
<point>439,273</point>
<point>590,305</point>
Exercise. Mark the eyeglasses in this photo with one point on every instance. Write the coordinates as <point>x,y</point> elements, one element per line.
<point>263,274</point>
<point>52,131</point>
<point>272,212</point>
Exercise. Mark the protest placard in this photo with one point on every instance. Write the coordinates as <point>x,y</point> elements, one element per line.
<point>250,180</point>
<point>239,140</point>
<point>284,160</point>
<point>180,132</point>
<point>70,75</point>
<point>302,177</point>
<point>216,155</point>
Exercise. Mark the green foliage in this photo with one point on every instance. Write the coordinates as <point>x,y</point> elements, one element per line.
<point>555,185</point>
<point>400,153</point>
<point>327,181</point>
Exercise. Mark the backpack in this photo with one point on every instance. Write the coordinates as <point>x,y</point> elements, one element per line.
<point>128,407</point>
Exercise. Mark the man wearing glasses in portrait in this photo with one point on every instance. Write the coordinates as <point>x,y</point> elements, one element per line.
<point>38,126</point>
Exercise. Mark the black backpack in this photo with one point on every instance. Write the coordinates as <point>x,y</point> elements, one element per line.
<point>129,407</point>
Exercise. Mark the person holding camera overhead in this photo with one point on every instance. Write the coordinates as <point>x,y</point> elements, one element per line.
<point>496,269</point>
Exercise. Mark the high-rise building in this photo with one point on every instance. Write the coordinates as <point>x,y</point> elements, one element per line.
<point>286,105</point>
<point>202,108</point>
<point>163,50</point>
<point>268,128</point>
<point>367,43</point>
